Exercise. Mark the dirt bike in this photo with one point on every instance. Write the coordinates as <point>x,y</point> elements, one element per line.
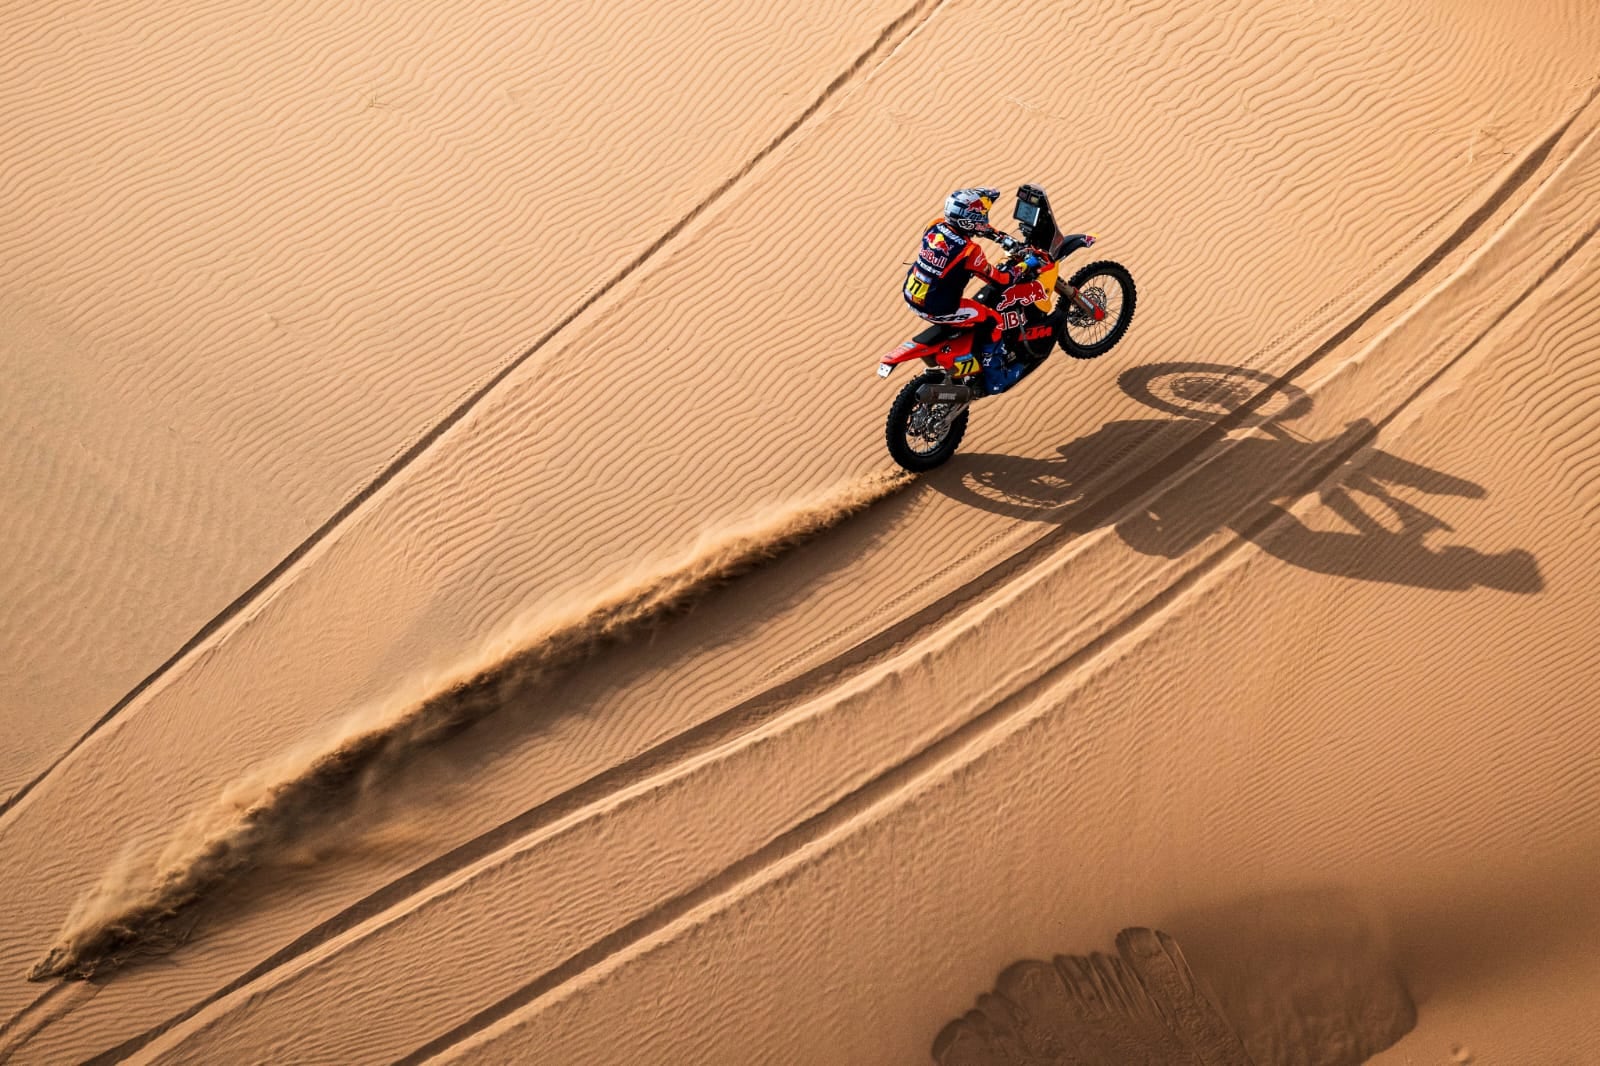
<point>1085,316</point>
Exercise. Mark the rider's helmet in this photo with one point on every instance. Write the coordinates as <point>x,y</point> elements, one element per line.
<point>968,209</point>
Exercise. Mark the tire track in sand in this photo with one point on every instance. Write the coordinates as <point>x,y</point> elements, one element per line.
<point>890,38</point>
<point>768,704</point>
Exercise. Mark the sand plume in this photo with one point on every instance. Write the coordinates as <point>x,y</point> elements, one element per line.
<point>133,909</point>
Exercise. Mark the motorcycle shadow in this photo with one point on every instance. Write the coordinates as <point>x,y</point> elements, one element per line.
<point>1368,529</point>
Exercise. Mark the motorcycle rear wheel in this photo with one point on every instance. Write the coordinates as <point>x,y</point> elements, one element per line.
<point>1109,285</point>
<point>912,429</point>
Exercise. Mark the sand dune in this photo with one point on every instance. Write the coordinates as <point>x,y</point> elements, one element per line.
<point>255,256</point>
<point>1289,592</point>
<point>1391,800</point>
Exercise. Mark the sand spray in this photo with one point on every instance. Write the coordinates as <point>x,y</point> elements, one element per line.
<point>264,815</point>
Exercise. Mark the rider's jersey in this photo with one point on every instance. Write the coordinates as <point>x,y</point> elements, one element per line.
<point>947,259</point>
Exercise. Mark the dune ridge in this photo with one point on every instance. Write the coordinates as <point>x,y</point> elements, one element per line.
<point>132,910</point>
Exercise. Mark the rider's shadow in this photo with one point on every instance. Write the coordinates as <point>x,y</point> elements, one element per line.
<point>1370,530</point>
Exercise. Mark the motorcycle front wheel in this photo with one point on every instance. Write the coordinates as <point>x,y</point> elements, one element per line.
<point>1109,287</point>
<point>921,435</point>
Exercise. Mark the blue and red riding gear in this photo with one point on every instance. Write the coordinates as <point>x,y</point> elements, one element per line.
<point>936,284</point>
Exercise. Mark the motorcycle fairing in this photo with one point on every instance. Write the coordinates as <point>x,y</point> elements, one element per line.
<point>947,346</point>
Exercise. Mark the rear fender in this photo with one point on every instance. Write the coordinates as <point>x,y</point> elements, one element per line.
<point>946,353</point>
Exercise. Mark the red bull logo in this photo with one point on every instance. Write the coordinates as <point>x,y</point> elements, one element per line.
<point>937,240</point>
<point>1021,295</point>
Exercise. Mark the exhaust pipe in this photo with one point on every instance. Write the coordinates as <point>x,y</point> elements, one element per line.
<point>960,394</point>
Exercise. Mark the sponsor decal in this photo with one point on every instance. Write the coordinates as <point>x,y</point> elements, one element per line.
<point>1021,295</point>
<point>964,314</point>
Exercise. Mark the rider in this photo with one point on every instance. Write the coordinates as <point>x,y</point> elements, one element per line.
<point>936,285</point>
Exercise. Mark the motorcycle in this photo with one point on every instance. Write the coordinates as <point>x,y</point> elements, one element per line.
<point>1085,316</point>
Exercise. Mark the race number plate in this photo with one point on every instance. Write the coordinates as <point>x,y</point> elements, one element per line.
<point>884,368</point>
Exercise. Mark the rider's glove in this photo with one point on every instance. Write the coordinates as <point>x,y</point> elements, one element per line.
<point>1031,264</point>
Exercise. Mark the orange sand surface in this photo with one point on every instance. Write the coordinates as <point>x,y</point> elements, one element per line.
<point>458,605</point>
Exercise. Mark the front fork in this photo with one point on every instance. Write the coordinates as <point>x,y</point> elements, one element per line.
<point>1069,293</point>
<point>1079,300</point>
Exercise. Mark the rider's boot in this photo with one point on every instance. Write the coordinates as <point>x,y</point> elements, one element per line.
<point>1000,372</point>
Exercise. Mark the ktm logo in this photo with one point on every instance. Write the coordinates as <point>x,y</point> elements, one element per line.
<point>1037,333</point>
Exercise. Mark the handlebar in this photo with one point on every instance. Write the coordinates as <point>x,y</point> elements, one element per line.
<point>1008,242</point>
<point>1017,247</point>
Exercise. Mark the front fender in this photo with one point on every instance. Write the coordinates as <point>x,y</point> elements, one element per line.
<point>1074,241</point>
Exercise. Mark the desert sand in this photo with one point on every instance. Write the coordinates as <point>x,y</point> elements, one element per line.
<point>457,604</point>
